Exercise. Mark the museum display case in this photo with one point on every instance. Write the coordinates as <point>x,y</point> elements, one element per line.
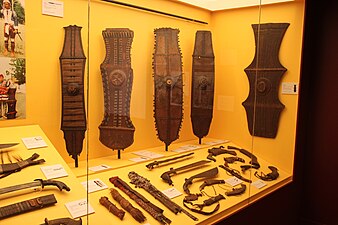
<point>150,112</point>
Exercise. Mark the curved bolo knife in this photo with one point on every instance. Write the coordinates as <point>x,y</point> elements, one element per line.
<point>37,184</point>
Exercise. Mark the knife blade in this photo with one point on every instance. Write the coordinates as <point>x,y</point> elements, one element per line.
<point>7,145</point>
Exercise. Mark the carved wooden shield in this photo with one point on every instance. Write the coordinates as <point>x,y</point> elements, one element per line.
<point>202,90</point>
<point>263,106</point>
<point>117,129</point>
<point>72,62</point>
<point>168,97</point>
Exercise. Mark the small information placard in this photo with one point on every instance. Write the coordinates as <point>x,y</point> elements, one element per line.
<point>94,185</point>
<point>186,148</point>
<point>52,8</point>
<point>148,154</point>
<point>289,88</point>
<point>233,181</point>
<point>79,208</point>
<point>172,192</point>
<point>54,171</point>
<point>99,168</point>
<point>139,159</point>
<point>258,184</point>
<point>216,142</point>
<point>34,142</point>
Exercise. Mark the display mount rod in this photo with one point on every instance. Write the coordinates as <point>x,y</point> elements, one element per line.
<point>154,11</point>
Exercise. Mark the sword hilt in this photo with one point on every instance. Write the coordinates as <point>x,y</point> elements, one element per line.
<point>166,176</point>
<point>58,184</point>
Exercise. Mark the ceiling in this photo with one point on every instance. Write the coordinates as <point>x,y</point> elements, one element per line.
<point>214,5</point>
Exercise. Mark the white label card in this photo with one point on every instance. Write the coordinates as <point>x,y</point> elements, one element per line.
<point>54,171</point>
<point>34,142</point>
<point>52,8</point>
<point>185,148</point>
<point>99,167</point>
<point>148,154</point>
<point>216,142</point>
<point>94,185</point>
<point>258,184</point>
<point>79,208</point>
<point>289,88</point>
<point>172,192</point>
<point>233,181</point>
<point>139,159</point>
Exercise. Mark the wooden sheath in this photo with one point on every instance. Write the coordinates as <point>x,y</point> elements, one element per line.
<point>168,97</point>
<point>202,89</point>
<point>73,120</point>
<point>263,106</point>
<point>116,128</point>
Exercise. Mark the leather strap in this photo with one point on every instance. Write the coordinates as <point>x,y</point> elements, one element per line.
<point>27,206</point>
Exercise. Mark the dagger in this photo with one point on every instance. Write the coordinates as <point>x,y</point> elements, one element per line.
<point>36,184</point>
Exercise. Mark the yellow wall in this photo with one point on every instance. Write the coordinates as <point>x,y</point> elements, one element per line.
<point>233,42</point>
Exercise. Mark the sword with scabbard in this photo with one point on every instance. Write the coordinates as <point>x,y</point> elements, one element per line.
<point>36,185</point>
<point>166,176</point>
<point>152,165</point>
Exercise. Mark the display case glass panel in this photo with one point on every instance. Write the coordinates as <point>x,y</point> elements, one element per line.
<point>196,104</point>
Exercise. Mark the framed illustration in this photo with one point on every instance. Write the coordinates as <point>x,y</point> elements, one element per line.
<point>12,60</point>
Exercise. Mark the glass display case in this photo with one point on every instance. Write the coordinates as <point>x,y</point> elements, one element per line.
<point>196,106</point>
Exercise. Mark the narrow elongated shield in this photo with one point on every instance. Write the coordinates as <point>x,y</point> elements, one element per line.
<point>72,62</point>
<point>168,97</point>
<point>202,89</point>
